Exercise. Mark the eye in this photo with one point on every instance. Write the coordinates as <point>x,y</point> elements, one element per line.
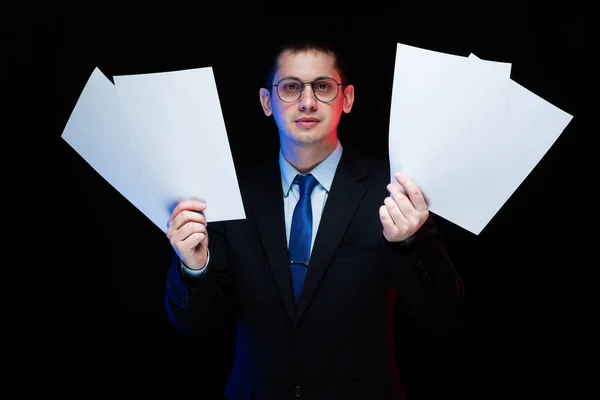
<point>323,85</point>
<point>291,86</point>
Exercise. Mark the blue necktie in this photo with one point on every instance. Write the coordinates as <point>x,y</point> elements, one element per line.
<point>301,233</point>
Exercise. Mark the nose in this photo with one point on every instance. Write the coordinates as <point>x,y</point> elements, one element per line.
<point>307,100</point>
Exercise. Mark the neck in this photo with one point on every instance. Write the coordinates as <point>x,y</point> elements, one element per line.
<point>304,157</point>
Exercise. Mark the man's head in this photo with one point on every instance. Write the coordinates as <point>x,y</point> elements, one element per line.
<point>306,92</point>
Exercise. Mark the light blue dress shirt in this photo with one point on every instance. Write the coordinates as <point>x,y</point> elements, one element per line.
<point>324,172</point>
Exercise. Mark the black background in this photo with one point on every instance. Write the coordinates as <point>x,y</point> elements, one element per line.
<point>520,272</point>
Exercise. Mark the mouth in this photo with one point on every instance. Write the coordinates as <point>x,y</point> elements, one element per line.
<point>307,122</point>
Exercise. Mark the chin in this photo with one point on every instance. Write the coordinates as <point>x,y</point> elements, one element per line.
<point>309,136</point>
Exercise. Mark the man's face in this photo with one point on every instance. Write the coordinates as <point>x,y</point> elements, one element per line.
<point>307,120</point>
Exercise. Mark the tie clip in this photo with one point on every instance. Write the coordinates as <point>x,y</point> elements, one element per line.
<point>299,262</point>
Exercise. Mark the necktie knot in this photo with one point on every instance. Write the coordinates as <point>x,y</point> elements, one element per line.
<point>306,183</point>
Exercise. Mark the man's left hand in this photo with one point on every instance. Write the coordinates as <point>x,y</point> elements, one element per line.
<point>405,211</point>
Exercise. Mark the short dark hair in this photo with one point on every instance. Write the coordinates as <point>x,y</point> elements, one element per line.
<point>293,46</point>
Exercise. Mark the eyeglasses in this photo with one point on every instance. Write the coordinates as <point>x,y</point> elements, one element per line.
<point>290,89</point>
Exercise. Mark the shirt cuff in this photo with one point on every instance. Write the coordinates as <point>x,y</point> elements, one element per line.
<point>194,273</point>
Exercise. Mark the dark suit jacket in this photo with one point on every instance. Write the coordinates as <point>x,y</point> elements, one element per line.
<point>337,342</point>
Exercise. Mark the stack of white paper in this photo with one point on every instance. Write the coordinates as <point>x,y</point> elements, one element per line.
<point>465,132</point>
<point>158,139</point>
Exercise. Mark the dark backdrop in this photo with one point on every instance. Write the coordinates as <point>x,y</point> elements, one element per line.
<point>517,271</point>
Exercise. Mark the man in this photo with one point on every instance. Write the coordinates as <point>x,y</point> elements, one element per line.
<point>312,277</point>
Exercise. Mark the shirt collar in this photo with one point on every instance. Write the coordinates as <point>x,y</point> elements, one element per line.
<point>324,171</point>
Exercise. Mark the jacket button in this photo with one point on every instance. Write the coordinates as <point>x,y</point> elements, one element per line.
<point>298,391</point>
<point>183,300</point>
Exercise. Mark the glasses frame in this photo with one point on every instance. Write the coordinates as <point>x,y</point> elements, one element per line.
<point>311,83</point>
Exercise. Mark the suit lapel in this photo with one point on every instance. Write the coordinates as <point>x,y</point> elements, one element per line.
<point>342,202</point>
<point>267,203</point>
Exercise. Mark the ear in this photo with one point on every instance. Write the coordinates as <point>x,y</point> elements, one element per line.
<point>265,101</point>
<point>348,98</point>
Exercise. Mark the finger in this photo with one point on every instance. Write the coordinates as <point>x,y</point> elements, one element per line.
<point>191,242</point>
<point>190,204</point>
<point>412,191</point>
<point>186,216</point>
<point>395,213</point>
<point>402,201</point>
<point>387,222</point>
<point>188,230</point>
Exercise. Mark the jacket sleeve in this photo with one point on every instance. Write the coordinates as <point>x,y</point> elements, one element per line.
<point>204,303</point>
<point>426,282</point>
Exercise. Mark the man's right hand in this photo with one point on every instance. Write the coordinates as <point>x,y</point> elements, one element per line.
<point>187,233</point>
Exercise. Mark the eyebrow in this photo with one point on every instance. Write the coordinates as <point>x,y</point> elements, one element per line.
<point>316,79</point>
